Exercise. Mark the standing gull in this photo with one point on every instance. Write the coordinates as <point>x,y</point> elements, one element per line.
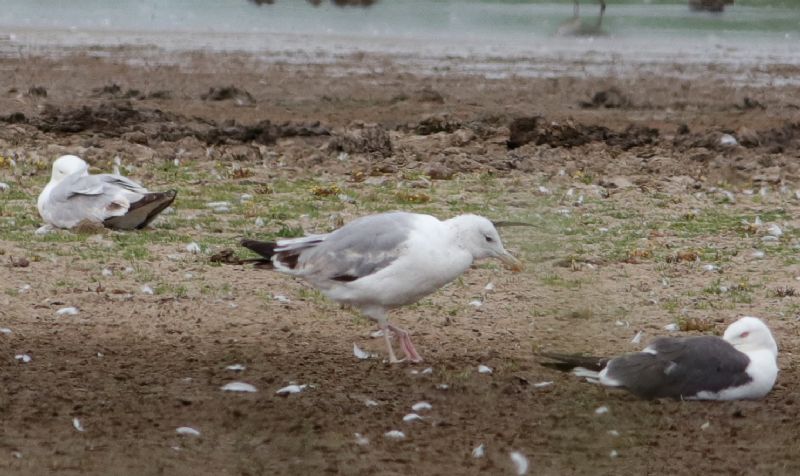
<point>380,262</point>
<point>73,197</point>
<point>740,365</point>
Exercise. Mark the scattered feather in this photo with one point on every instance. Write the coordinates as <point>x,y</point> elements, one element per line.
<point>259,221</point>
<point>489,287</point>
<point>24,358</point>
<point>729,195</point>
<point>613,454</point>
<point>193,248</point>
<point>483,369</point>
<point>711,267</point>
<point>370,403</point>
<point>758,254</point>
<point>78,425</point>
<point>361,440</point>
<point>479,451</point>
<point>187,431</point>
<point>727,140</point>
<point>5,330</point>
<point>420,406</point>
<point>442,386</point>
<point>613,432</point>
<point>281,299</point>
<point>238,387</point>
<point>67,311</point>
<point>4,186</point>
<point>394,435</point>
<point>775,230</point>
<point>376,334</point>
<point>672,327</point>
<point>476,303</point>
<point>291,389</point>
<point>107,272</point>
<point>217,204</point>
<point>146,290</point>
<point>411,417</point>
<point>520,462</point>
<point>426,371</point>
<point>360,354</point>
<point>544,190</point>
<point>705,426</point>
<point>16,454</point>
<point>235,367</point>
<point>246,197</point>
<point>637,338</point>
<point>543,384</point>
<point>601,410</point>
<point>25,288</point>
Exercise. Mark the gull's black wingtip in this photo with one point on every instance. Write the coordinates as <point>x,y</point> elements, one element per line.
<point>264,248</point>
<point>567,362</point>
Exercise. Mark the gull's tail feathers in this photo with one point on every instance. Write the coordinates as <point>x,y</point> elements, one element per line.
<point>571,362</point>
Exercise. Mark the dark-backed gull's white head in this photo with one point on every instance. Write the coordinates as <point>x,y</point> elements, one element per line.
<point>750,334</point>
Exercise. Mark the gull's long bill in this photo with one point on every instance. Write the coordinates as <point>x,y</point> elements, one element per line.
<point>513,263</point>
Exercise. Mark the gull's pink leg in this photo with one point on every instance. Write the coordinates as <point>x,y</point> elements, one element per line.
<point>387,336</point>
<point>406,344</point>
<point>379,314</point>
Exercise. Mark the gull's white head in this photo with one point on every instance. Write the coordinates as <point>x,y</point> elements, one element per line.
<point>68,165</point>
<point>479,236</point>
<point>750,334</point>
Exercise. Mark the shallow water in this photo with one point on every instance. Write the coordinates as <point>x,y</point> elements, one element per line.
<point>521,35</point>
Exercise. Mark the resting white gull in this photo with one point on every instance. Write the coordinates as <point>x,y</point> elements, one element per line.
<point>740,365</point>
<point>384,261</point>
<point>73,197</point>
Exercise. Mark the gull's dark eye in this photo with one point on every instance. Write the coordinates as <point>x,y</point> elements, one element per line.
<point>489,239</point>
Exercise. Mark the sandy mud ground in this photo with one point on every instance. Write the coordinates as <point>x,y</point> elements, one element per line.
<point>646,214</point>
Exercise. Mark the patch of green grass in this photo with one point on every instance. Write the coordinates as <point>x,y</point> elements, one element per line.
<point>560,282</point>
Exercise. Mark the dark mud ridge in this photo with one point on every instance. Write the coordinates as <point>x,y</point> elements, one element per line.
<point>121,119</point>
<point>146,126</point>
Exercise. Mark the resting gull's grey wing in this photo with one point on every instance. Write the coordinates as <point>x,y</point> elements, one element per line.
<point>680,368</point>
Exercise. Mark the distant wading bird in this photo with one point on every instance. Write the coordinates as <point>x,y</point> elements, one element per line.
<point>740,365</point>
<point>716,6</point>
<point>73,198</point>
<point>574,26</point>
<point>384,261</point>
<point>576,11</point>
